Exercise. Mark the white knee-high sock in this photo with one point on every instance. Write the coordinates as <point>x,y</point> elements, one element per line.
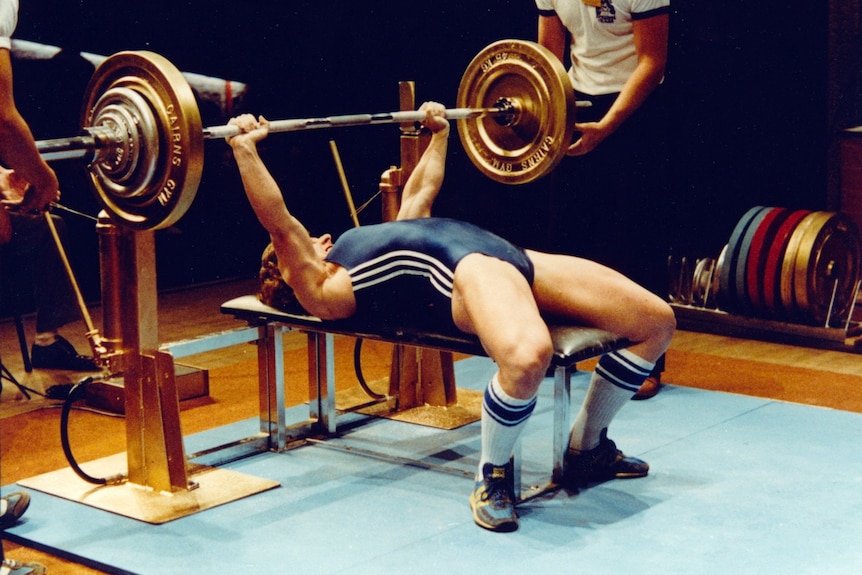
<point>503,418</point>
<point>616,379</point>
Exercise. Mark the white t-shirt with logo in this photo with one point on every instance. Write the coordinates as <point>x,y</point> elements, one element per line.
<point>602,49</point>
<point>8,21</point>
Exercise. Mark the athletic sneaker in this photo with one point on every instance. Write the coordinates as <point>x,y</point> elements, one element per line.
<point>492,499</point>
<point>12,507</point>
<point>601,463</point>
<point>12,567</point>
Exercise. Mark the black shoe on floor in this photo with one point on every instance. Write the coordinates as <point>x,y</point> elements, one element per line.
<point>601,463</point>
<point>61,355</point>
<point>12,507</point>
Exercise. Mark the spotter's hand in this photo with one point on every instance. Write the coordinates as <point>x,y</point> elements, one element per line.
<point>592,134</point>
<point>18,194</point>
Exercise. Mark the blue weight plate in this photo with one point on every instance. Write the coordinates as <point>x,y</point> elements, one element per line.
<point>742,298</point>
<point>727,273</point>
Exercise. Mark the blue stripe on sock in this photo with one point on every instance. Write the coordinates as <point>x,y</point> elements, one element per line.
<point>621,372</point>
<point>505,413</point>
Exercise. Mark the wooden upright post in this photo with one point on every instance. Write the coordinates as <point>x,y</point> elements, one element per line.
<point>417,376</point>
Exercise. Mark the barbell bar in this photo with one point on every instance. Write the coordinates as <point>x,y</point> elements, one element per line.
<point>100,138</point>
<point>143,139</point>
<point>96,138</point>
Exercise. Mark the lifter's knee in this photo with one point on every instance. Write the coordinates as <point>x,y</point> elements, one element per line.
<point>659,324</point>
<point>523,365</point>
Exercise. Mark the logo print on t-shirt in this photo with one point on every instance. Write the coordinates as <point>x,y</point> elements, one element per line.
<point>606,13</point>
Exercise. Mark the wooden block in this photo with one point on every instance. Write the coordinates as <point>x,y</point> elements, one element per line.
<point>192,382</point>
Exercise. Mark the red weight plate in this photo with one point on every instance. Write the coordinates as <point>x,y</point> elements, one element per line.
<point>774,259</point>
<point>759,249</point>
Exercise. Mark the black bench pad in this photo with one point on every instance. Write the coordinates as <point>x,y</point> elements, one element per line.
<point>572,343</point>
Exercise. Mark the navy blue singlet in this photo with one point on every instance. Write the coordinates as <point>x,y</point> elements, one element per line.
<point>402,271</point>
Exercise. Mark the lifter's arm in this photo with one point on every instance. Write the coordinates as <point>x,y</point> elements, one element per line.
<point>424,183</point>
<point>300,264</point>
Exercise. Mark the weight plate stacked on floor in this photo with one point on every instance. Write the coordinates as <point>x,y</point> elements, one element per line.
<point>771,272</point>
<point>730,299</point>
<point>740,271</point>
<point>790,265</point>
<point>702,289</point>
<point>827,269</point>
<point>761,243</point>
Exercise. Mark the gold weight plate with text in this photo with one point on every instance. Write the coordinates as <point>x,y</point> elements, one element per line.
<point>149,175</point>
<point>531,78</point>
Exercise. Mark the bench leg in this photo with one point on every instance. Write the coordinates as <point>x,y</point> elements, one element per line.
<point>270,374</point>
<point>516,471</point>
<point>321,381</point>
<point>562,408</point>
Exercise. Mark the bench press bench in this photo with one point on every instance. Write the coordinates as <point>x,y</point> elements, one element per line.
<point>571,343</point>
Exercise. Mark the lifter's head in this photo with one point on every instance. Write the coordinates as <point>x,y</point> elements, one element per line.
<point>274,291</point>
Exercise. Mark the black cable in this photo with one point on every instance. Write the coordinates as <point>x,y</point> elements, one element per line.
<point>357,366</point>
<point>5,374</point>
<point>77,390</point>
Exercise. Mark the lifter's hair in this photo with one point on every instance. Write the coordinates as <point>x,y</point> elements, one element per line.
<point>274,291</point>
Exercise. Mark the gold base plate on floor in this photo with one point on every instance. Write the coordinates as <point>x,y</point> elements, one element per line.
<point>466,411</point>
<point>214,487</point>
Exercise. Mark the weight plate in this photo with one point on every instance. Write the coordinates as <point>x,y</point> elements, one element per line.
<point>701,287</point>
<point>674,269</point>
<point>760,242</point>
<point>686,275</point>
<point>741,268</point>
<point>719,297</point>
<point>146,175</point>
<point>788,266</point>
<point>530,77</point>
<point>774,261</point>
<point>827,268</point>
<point>727,277</point>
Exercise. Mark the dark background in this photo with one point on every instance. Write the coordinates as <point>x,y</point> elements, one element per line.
<point>748,82</point>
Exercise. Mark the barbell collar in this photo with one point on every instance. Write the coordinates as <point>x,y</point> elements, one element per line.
<point>85,146</point>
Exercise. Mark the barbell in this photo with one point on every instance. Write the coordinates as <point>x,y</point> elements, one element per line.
<point>143,139</point>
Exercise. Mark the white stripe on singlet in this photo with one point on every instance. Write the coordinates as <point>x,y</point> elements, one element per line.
<point>403,262</point>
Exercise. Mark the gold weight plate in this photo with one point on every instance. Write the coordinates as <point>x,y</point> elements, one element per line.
<point>169,157</point>
<point>827,265</point>
<point>788,265</point>
<point>535,81</point>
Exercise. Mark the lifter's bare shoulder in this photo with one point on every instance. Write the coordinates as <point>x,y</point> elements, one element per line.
<point>333,297</point>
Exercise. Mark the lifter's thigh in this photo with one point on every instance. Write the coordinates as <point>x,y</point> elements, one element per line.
<point>493,300</point>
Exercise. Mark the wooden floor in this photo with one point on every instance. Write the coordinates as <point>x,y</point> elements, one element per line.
<point>193,312</point>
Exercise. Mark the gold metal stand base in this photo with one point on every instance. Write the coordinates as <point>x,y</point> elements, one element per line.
<point>214,487</point>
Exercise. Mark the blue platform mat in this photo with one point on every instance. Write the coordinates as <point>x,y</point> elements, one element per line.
<point>737,485</point>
